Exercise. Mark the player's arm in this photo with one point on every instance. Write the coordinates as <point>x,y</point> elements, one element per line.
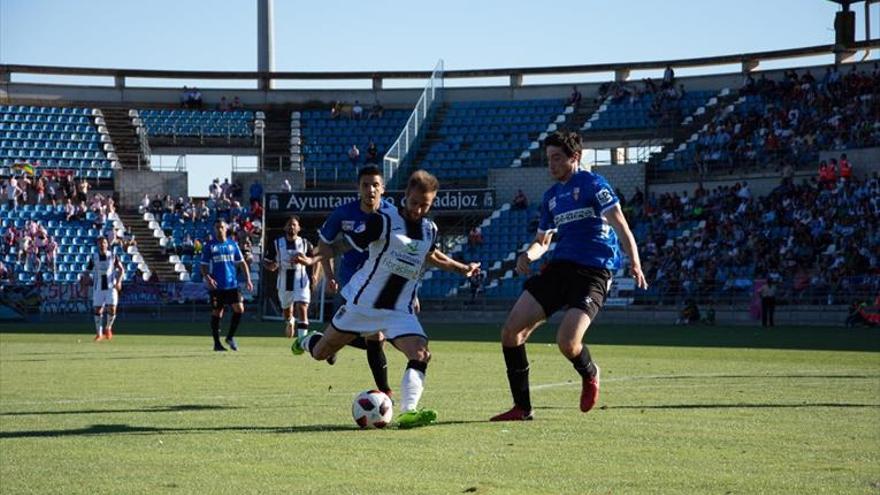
<point>242,263</point>
<point>120,273</point>
<point>615,218</point>
<point>316,270</point>
<point>540,244</point>
<point>203,266</point>
<point>439,259</point>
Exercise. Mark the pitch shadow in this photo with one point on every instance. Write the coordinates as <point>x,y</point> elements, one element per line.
<point>123,429</point>
<point>152,409</point>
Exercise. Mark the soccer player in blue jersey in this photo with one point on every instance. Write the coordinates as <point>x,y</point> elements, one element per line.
<point>344,220</point>
<point>582,210</point>
<point>220,257</point>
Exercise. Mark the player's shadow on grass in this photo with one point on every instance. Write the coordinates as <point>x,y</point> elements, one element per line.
<point>122,429</point>
<point>744,406</point>
<point>92,357</point>
<point>151,409</point>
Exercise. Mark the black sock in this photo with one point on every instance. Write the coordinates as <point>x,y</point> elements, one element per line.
<point>359,342</point>
<point>518,375</point>
<point>378,364</point>
<point>583,364</point>
<point>215,328</point>
<point>233,325</point>
<point>302,326</point>
<point>417,365</point>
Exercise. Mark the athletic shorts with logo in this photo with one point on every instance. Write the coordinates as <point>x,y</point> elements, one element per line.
<point>106,297</point>
<point>359,320</point>
<point>564,284</point>
<point>299,295</point>
<point>224,297</point>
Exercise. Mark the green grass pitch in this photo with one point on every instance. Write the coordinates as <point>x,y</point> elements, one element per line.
<point>683,410</point>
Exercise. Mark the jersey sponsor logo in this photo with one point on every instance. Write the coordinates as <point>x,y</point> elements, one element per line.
<point>604,197</point>
<point>221,258</point>
<point>552,204</point>
<point>573,216</point>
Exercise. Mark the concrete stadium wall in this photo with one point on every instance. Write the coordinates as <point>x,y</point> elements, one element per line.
<point>625,178</point>
<point>131,185</point>
<point>271,181</point>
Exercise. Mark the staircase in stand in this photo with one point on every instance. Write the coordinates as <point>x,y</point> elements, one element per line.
<point>277,153</point>
<point>148,246</point>
<point>124,137</point>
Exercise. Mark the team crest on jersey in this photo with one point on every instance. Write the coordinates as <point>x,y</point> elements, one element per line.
<point>413,247</point>
<point>576,193</point>
<point>604,197</point>
<point>348,225</point>
<point>360,228</point>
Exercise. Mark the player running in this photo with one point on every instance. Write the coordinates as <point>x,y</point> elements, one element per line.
<point>381,293</point>
<point>583,209</point>
<point>345,219</point>
<point>219,260</point>
<point>295,281</point>
<point>104,273</point>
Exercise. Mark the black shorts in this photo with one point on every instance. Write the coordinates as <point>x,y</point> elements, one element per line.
<point>221,297</point>
<point>565,284</point>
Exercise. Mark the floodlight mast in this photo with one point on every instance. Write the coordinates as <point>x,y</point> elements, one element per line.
<point>265,42</point>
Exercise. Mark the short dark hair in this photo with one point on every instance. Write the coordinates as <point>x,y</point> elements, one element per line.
<point>569,141</point>
<point>293,217</point>
<point>369,170</point>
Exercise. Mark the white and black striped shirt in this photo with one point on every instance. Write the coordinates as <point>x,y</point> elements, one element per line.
<point>397,249</point>
<point>291,276</point>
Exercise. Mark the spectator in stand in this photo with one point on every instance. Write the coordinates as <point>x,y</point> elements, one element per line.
<point>171,245</point>
<point>197,247</point>
<point>256,211</point>
<point>575,98</point>
<point>100,219</point>
<point>223,106</point>
<point>476,284</point>
<point>256,192</point>
<point>52,191</point>
<point>69,210</point>
<point>202,213</point>
<point>51,250</point>
<point>372,154</point>
<point>354,155</point>
<point>82,190</point>
<point>226,188</point>
<point>187,246</point>
<point>475,236</point>
<point>520,201</point>
<point>9,239</point>
<point>40,188</point>
<point>668,77</point>
<point>236,103</point>
<point>336,110</point>
<point>145,204</point>
<point>69,186</point>
<point>846,170</point>
<point>5,274</point>
<point>357,111</point>
<point>13,192</point>
<point>376,110</point>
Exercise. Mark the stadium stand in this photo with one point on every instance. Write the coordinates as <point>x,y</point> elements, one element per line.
<point>55,138</point>
<point>637,109</point>
<point>198,123</point>
<point>326,141</point>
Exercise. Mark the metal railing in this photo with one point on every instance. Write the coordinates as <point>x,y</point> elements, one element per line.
<point>409,138</point>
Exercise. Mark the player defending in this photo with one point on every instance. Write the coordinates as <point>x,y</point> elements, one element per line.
<point>381,293</point>
<point>345,219</point>
<point>580,207</point>
<point>106,280</point>
<point>294,281</point>
<point>219,260</point>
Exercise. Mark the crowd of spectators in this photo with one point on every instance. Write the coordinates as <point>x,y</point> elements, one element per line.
<point>812,239</point>
<point>356,111</point>
<point>794,118</point>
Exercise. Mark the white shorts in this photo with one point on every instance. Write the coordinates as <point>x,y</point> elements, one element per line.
<point>288,297</point>
<point>351,318</point>
<point>108,297</point>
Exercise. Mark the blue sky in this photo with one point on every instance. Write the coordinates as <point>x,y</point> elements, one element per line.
<point>335,35</point>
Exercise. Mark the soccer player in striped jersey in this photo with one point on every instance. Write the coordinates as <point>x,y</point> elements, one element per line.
<point>584,210</point>
<point>104,273</point>
<point>382,292</point>
<point>295,281</point>
<point>220,257</point>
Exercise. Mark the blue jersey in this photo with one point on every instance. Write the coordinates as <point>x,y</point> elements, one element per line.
<point>222,258</point>
<point>574,209</point>
<point>346,218</point>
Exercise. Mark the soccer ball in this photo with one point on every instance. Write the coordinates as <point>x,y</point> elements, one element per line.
<point>371,409</point>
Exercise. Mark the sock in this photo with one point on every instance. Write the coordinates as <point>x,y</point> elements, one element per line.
<point>311,341</point>
<point>412,385</point>
<point>518,375</point>
<point>302,328</point>
<point>99,325</point>
<point>583,364</point>
<point>233,325</point>
<point>215,329</point>
<point>378,364</point>
<point>359,342</point>
<point>110,319</point>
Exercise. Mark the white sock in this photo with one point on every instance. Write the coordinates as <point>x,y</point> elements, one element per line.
<point>110,319</point>
<point>99,324</point>
<point>411,388</point>
<point>300,332</point>
<point>307,343</point>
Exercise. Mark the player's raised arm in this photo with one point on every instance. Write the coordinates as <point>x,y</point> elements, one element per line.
<point>540,244</point>
<point>617,220</point>
<point>441,260</point>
